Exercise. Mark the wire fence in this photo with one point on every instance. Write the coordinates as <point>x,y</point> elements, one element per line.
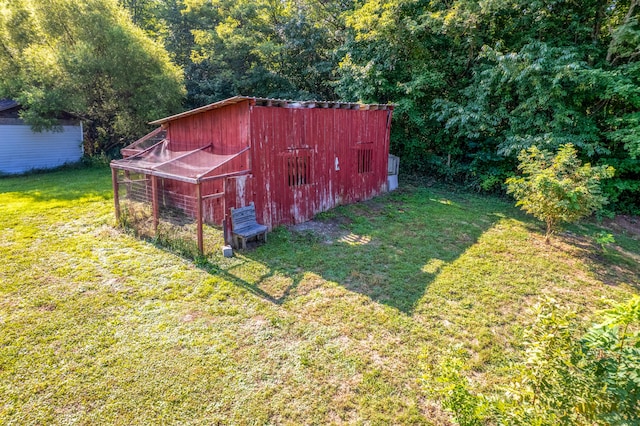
<point>176,228</point>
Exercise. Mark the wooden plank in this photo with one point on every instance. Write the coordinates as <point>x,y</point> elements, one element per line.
<point>116,193</point>
<point>199,232</point>
<point>213,196</point>
<point>226,175</point>
<point>154,203</point>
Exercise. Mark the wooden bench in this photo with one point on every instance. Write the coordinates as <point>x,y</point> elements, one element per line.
<point>244,226</point>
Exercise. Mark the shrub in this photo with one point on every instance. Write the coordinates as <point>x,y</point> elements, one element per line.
<point>558,188</point>
<point>564,380</point>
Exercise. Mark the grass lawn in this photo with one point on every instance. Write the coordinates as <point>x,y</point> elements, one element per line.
<point>97,326</point>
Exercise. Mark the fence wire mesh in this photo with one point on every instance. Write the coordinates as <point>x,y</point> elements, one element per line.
<point>177,226</point>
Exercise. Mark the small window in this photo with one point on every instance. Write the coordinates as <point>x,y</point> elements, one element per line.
<point>365,160</point>
<point>298,170</point>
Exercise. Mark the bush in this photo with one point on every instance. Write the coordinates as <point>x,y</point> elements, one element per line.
<point>564,380</point>
<point>558,188</point>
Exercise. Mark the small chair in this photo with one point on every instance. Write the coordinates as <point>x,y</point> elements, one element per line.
<point>244,226</point>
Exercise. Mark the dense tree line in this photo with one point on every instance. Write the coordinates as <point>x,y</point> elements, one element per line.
<point>475,81</point>
<point>478,81</point>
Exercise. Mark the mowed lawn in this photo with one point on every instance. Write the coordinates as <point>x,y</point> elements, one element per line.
<point>330,326</point>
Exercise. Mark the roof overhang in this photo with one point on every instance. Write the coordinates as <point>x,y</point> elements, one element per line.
<point>6,104</point>
<point>282,103</point>
<point>193,166</point>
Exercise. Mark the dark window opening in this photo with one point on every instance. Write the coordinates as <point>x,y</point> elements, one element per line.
<point>298,170</point>
<point>365,160</point>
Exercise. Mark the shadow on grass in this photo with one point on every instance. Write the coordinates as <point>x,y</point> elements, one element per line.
<point>625,269</point>
<point>613,264</point>
<point>255,289</point>
<point>389,249</point>
<point>393,247</point>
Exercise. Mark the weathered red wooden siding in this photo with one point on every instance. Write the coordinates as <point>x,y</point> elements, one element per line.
<point>324,135</point>
<point>214,211</point>
<point>226,128</point>
<point>277,135</point>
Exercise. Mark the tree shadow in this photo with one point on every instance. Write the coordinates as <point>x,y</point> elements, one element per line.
<point>253,288</point>
<point>389,249</point>
<point>613,264</point>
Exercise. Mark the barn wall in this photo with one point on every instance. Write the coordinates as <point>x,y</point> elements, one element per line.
<point>303,160</point>
<point>226,128</point>
<point>344,155</point>
<point>22,150</point>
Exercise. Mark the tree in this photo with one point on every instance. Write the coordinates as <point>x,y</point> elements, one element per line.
<point>267,48</point>
<point>558,188</point>
<point>476,81</point>
<point>87,59</point>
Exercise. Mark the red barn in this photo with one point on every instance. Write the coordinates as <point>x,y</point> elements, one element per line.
<point>292,159</point>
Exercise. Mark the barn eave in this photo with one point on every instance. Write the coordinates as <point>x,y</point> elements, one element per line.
<point>268,102</point>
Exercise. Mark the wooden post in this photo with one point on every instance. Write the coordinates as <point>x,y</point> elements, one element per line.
<point>116,193</point>
<point>154,203</point>
<point>225,231</point>
<point>199,217</point>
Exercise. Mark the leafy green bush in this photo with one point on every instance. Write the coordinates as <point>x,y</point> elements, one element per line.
<point>603,239</point>
<point>623,191</point>
<point>558,188</point>
<point>563,380</point>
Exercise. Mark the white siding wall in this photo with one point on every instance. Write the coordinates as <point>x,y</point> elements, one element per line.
<point>22,150</point>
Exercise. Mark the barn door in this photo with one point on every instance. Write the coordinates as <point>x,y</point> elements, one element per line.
<point>298,184</point>
<point>364,169</point>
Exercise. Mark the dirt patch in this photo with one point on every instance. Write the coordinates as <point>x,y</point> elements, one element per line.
<point>625,223</point>
<point>370,208</point>
<point>328,231</point>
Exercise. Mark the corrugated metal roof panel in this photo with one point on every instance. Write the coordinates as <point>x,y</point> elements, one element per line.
<point>283,103</point>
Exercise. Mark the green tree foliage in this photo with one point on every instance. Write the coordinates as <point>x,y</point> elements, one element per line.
<point>268,48</point>
<point>396,51</point>
<point>524,99</point>
<point>477,81</point>
<point>474,81</point>
<point>557,189</point>
<point>88,59</point>
<point>563,379</point>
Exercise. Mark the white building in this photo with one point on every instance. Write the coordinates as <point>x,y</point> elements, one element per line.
<point>22,149</point>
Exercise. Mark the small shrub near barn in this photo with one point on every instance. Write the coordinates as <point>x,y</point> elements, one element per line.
<point>558,188</point>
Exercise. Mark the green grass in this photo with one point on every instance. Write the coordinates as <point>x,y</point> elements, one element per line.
<point>97,326</point>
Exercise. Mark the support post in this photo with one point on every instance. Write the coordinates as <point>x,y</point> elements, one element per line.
<point>154,203</point>
<point>226,230</point>
<point>116,193</point>
<point>199,217</point>
<point>225,225</point>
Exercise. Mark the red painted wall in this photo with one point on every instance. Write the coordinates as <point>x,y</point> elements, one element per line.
<point>322,136</point>
<point>226,128</point>
<point>292,158</point>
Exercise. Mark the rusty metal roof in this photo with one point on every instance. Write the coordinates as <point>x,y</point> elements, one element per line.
<point>282,103</point>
